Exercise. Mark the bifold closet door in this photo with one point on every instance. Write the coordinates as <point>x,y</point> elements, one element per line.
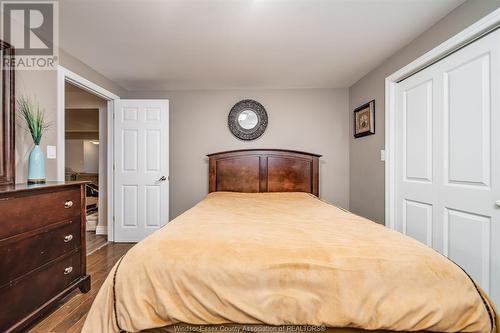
<point>448,159</point>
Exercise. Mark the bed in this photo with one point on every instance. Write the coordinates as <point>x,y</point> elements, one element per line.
<point>262,253</point>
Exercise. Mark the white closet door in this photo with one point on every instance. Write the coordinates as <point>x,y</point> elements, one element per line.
<point>448,159</point>
<point>415,163</point>
<point>141,168</point>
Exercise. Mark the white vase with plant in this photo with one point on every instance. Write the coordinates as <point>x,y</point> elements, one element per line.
<point>33,117</point>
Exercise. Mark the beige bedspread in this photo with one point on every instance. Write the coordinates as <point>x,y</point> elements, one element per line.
<point>285,258</point>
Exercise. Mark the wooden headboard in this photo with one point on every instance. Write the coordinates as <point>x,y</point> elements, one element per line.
<point>263,170</point>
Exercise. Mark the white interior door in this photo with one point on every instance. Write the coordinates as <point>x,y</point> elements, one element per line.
<point>141,168</point>
<point>448,159</point>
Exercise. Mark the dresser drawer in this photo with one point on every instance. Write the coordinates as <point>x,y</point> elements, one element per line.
<point>38,287</point>
<point>20,254</point>
<point>22,213</point>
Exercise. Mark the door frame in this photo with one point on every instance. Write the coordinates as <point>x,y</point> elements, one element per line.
<point>65,75</point>
<point>467,36</point>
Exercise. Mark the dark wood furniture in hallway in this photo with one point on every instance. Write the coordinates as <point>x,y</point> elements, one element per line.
<point>42,249</point>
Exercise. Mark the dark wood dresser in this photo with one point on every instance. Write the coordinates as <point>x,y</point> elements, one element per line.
<point>42,249</point>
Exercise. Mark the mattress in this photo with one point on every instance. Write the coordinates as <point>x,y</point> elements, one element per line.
<point>286,259</point>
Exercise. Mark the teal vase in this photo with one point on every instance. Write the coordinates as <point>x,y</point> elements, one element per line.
<point>36,166</point>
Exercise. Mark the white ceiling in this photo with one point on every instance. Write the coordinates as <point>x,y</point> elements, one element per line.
<point>221,44</point>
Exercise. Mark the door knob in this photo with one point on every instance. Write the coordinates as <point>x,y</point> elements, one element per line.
<point>497,203</point>
<point>162,179</point>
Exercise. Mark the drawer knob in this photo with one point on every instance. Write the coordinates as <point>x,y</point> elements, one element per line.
<point>68,238</point>
<point>68,270</point>
<point>68,204</point>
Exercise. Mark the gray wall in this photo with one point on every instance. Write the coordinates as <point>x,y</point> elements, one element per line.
<point>366,169</point>
<point>312,120</point>
<point>77,66</point>
<point>42,86</point>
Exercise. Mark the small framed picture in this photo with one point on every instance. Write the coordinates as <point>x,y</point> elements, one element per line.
<point>364,120</point>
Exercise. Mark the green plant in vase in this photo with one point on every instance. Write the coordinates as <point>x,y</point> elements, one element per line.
<point>33,117</point>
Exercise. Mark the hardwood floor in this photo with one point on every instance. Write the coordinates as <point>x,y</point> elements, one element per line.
<point>94,241</point>
<point>70,313</point>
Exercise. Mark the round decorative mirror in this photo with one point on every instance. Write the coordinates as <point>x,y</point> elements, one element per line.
<point>247,119</point>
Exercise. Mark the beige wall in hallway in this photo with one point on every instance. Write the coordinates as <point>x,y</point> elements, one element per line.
<point>77,98</point>
<point>367,184</point>
<point>312,120</point>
